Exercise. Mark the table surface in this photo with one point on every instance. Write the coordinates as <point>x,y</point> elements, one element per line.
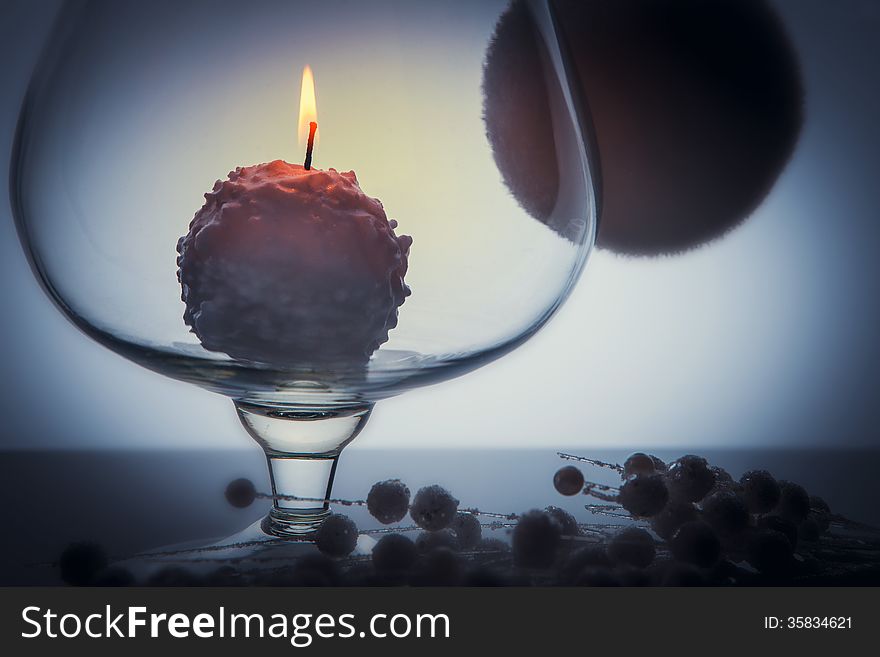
<point>130,501</point>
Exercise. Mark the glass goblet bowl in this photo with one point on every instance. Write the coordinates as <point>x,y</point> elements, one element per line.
<point>134,111</point>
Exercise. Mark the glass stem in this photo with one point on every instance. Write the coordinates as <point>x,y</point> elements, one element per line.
<point>302,448</point>
<point>310,480</point>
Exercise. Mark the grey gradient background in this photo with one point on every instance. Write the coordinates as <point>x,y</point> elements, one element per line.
<point>768,337</point>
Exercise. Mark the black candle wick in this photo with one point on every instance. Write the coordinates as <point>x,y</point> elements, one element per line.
<point>311,145</point>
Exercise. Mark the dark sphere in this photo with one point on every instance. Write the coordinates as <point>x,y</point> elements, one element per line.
<point>427,541</point>
<point>393,553</point>
<point>677,574</point>
<point>433,508</point>
<point>492,545</point>
<point>794,502</point>
<point>568,480</point>
<point>440,567</point>
<point>536,539</point>
<point>638,463</point>
<point>362,574</point>
<point>485,577</point>
<point>567,522</point>
<point>723,481</point>
<point>770,552</point>
<point>819,505</point>
<point>591,556</point>
<point>673,516</point>
<point>388,501</point>
<point>643,495</point>
<point>659,465</point>
<point>696,108</point>
<point>722,476</point>
<point>629,576</point>
<point>760,491</point>
<point>809,530</point>
<point>689,478</point>
<point>467,529</point>
<point>632,546</point>
<point>726,512</point>
<point>821,512</point>
<point>696,543</point>
<point>241,493</point>
<point>782,525</point>
<point>727,573</point>
<point>311,570</point>
<point>337,536</point>
<point>81,562</point>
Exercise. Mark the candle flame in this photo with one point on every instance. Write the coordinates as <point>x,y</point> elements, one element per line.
<point>308,107</point>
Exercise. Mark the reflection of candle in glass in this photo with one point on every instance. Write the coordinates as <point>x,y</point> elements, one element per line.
<point>291,265</point>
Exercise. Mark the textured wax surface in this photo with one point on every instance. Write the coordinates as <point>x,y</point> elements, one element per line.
<point>291,267</point>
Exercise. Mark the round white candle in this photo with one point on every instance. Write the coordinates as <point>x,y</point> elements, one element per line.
<point>289,266</point>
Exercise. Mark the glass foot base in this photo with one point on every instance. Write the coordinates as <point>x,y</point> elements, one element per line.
<point>254,549</point>
<point>288,523</point>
